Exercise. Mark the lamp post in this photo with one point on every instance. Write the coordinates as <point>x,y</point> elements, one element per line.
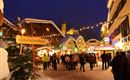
<point>22,32</point>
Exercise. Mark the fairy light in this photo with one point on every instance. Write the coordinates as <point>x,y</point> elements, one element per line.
<point>101,23</point>
<point>87,27</point>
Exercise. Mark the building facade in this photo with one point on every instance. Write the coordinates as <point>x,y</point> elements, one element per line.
<point>8,29</point>
<point>45,29</point>
<point>119,23</point>
<point>104,35</point>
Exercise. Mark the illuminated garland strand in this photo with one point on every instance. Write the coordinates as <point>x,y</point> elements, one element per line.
<point>101,23</point>
<point>90,27</point>
<point>52,35</point>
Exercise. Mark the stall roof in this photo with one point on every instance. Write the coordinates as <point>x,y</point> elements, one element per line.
<point>10,24</point>
<point>104,48</point>
<point>45,47</point>
<point>31,20</point>
<point>65,39</point>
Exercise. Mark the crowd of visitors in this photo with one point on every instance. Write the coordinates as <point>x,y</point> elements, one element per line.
<point>120,62</point>
<point>70,61</point>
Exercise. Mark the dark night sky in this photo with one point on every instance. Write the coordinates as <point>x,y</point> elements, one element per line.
<point>77,13</point>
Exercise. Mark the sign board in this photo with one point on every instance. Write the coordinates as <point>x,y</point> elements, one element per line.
<point>31,40</point>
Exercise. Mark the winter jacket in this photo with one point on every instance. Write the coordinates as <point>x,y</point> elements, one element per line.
<point>44,58</point>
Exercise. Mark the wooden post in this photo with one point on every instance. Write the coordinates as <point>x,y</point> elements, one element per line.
<point>21,44</point>
<point>33,56</point>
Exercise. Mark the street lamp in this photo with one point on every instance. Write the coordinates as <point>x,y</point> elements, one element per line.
<point>22,33</point>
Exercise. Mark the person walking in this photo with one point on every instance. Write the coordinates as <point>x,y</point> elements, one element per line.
<point>120,66</point>
<point>109,58</point>
<point>44,60</point>
<point>67,60</point>
<point>54,61</point>
<point>75,61</point>
<point>104,61</point>
<point>82,62</point>
<point>128,58</point>
<point>91,60</point>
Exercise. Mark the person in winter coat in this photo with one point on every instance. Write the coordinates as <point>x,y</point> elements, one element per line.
<point>128,58</point>
<point>120,67</point>
<point>67,61</point>
<point>54,61</point>
<point>75,60</point>
<point>104,61</point>
<point>44,60</point>
<point>91,60</point>
<point>82,62</point>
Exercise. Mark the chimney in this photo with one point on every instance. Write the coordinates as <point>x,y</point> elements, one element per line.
<point>63,27</point>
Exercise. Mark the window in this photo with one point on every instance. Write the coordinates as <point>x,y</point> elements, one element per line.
<point>125,28</point>
<point>119,8</point>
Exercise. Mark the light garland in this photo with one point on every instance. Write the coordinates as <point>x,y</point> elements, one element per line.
<point>88,27</point>
<point>52,35</point>
<point>101,23</point>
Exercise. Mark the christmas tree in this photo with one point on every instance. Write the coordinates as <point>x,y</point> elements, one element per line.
<point>21,66</point>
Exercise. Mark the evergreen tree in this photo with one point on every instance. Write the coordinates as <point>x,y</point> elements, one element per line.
<point>21,66</point>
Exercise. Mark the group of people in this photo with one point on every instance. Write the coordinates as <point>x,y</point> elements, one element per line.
<point>47,60</point>
<point>120,63</point>
<point>121,66</point>
<point>70,61</point>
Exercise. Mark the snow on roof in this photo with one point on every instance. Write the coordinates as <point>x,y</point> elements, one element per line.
<point>92,40</point>
<point>31,20</point>
<point>65,39</point>
<point>104,48</point>
<point>10,24</point>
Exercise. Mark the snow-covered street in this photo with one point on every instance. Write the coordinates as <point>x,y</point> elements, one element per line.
<point>63,74</point>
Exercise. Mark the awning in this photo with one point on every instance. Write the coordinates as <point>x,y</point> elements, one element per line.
<point>45,47</point>
<point>103,48</point>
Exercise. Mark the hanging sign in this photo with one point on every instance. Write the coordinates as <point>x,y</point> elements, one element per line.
<point>31,40</point>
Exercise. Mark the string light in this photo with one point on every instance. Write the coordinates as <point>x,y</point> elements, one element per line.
<point>48,36</point>
<point>92,27</point>
<point>101,23</point>
<point>87,27</point>
<point>97,25</point>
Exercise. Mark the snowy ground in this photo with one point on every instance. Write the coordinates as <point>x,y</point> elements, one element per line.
<point>62,74</point>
